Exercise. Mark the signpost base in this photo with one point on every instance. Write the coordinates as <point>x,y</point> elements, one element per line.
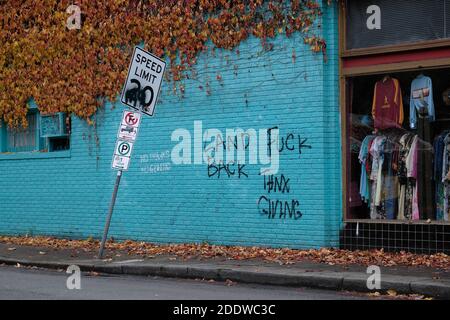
<point>110,211</point>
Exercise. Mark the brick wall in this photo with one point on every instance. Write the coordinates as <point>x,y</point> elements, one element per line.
<point>162,202</point>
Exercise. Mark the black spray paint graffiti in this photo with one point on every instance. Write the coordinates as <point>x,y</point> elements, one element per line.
<point>276,208</point>
<point>281,209</point>
<point>271,206</point>
<point>276,184</point>
<point>229,170</point>
<point>137,96</point>
<point>241,143</point>
<point>289,143</point>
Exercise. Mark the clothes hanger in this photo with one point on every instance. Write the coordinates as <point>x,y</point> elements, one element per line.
<point>386,78</point>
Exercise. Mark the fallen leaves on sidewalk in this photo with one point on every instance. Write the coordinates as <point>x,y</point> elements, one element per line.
<point>392,295</point>
<point>229,283</point>
<point>281,255</point>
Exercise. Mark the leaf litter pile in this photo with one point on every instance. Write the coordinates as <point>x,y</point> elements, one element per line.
<point>206,251</point>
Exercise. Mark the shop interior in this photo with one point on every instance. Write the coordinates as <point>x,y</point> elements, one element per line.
<point>399,146</point>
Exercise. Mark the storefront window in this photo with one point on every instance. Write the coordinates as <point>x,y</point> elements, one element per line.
<point>399,146</point>
<point>376,23</point>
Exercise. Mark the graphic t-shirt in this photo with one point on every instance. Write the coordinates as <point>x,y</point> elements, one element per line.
<point>421,96</point>
<point>387,107</point>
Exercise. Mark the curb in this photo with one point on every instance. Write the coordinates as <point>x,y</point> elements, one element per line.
<point>349,281</point>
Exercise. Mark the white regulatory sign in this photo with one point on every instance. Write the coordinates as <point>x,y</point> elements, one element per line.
<point>129,126</point>
<point>122,154</point>
<point>123,148</point>
<point>120,163</point>
<point>144,80</point>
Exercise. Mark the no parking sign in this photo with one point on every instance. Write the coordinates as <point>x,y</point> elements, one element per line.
<point>129,126</point>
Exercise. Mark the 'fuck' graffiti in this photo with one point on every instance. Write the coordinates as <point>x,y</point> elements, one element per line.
<point>289,143</point>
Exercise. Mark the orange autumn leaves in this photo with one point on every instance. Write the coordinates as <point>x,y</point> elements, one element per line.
<point>277,255</point>
<point>74,71</point>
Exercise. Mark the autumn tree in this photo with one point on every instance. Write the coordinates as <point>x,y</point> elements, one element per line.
<point>75,71</point>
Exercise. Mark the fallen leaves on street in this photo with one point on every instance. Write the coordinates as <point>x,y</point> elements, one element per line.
<point>205,251</point>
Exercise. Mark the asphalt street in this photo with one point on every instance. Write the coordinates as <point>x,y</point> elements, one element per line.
<point>28,283</point>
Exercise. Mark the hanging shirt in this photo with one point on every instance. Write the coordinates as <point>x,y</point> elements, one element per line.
<point>446,176</point>
<point>421,96</point>
<point>377,205</point>
<point>364,185</point>
<point>438,148</point>
<point>412,168</point>
<point>411,159</point>
<point>390,181</point>
<point>376,151</point>
<point>387,107</point>
<point>405,190</point>
<point>446,159</point>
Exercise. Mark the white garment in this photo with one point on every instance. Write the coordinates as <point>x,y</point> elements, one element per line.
<point>402,188</point>
<point>377,167</point>
<point>410,157</point>
<point>401,203</point>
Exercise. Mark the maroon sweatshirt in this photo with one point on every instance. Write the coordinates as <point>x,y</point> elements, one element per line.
<point>387,107</point>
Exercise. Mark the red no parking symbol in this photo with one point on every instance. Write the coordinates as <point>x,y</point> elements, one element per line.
<point>131,119</point>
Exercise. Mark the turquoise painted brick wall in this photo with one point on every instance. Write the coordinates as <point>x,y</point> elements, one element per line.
<point>158,201</point>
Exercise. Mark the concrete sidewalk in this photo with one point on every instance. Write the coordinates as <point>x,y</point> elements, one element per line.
<point>403,280</point>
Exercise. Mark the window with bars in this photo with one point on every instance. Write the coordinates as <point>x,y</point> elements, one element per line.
<point>23,138</point>
<point>47,133</point>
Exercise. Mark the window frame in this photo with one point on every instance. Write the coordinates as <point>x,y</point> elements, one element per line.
<point>407,46</point>
<point>345,74</point>
<point>39,142</point>
<point>37,139</point>
<point>42,144</point>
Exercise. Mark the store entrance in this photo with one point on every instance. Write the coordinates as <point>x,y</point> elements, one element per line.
<point>397,146</point>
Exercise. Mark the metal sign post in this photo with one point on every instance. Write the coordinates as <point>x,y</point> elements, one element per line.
<point>126,137</point>
<point>141,91</point>
<point>110,211</point>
